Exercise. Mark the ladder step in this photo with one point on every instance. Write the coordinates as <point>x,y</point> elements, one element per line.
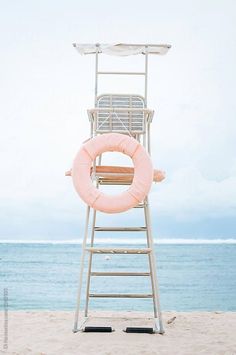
<point>120,295</point>
<point>120,229</point>
<point>121,73</point>
<point>119,251</point>
<point>117,273</point>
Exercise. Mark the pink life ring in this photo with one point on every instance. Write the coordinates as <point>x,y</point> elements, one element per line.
<point>143,173</point>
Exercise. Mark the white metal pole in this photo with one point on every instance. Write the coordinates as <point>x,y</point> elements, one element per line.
<point>81,270</point>
<point>96,75</point>
<point>146,74</point>
<point>91,244</point>
<point>90,265</point>
<point>148,138</point>
<point>150,261</point>
<point>154,269</point>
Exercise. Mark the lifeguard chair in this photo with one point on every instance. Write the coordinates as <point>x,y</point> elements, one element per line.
<point>126,118</point>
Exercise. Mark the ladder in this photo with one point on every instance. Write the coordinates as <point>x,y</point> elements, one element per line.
<point>91,250</point>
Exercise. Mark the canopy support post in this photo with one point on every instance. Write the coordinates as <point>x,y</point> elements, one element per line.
<point>146,74</point>
<point>96,76</point>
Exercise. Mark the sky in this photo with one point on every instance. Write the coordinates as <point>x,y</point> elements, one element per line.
<point>46,88</point>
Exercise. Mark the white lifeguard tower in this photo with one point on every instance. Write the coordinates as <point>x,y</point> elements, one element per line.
<point>127,114</point>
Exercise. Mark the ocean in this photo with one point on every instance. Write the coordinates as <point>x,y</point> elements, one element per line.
<point>192,276</point>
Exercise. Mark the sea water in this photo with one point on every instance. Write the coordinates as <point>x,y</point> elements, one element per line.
<point>44,276</point>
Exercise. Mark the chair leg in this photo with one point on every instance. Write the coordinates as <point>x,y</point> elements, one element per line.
<point>81,270</point>
<point>152,262</point>
<point>90,265</point>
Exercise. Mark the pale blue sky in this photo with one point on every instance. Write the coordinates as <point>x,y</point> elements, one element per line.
<point>46,87</point>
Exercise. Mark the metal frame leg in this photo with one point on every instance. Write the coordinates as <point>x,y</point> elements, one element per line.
<point>153,271</point>
<point>75,329</point>
<point>150,262</point>
<point>90,264</point>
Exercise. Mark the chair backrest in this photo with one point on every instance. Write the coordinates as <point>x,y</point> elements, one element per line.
<point>121,121</point>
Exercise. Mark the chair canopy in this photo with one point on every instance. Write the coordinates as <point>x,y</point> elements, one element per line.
<point>122,49</point>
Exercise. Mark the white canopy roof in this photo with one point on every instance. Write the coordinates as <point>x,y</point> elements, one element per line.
<point>122,49</point>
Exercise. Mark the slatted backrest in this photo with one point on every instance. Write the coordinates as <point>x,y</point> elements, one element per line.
<point>118,121</point>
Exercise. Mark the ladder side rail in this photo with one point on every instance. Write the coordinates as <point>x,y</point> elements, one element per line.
<point>90,264</point>
<point>154,270</point>
<point>150,262</point>
<point>91,254</point>
<point>77,311</point>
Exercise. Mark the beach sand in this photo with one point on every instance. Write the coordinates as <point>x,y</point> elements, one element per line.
<point>48,332</point>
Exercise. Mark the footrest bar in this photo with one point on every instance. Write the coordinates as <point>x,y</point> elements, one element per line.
<point>120,229</point>
<point>119,250</point>
<point>120,295</point>
<point>117,273</point>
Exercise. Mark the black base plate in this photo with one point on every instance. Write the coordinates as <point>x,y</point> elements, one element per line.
<point>139,330</point>
<point>97,329</point>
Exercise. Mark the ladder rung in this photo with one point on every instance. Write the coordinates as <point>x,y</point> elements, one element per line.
<point>118,273</point>
<point>120,229</point>
<point>119,250</point>
<point>121,73</point>
<point>120,295</point>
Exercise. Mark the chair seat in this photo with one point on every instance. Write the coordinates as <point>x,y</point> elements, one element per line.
<point>120,173</point>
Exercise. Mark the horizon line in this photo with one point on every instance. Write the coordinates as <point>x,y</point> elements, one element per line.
<point>124,241</point>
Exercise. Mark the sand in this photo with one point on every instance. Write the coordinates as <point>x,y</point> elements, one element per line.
<point>47,332</point>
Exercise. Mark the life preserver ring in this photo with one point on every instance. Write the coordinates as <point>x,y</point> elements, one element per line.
<point>143,173</point>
